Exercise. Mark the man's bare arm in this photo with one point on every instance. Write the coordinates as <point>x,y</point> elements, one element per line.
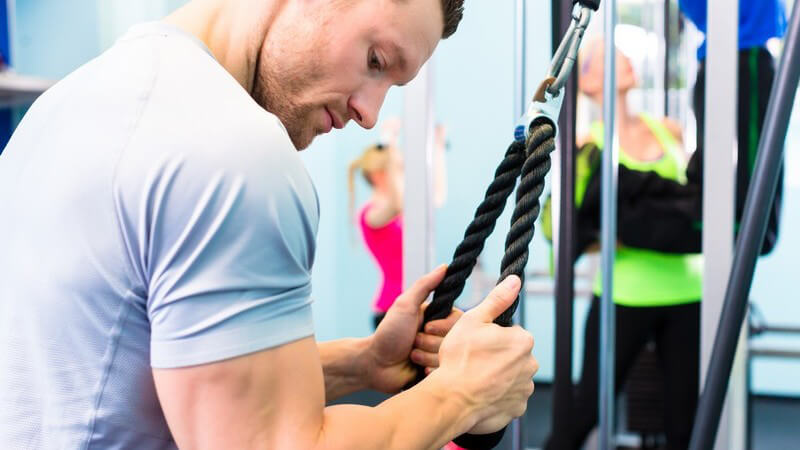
<point>344,366</point>
<point>275,399</point>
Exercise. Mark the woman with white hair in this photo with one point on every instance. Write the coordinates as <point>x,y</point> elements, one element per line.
<point>656,295</point>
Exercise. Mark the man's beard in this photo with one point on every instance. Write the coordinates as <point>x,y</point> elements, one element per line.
<point>275,91</point>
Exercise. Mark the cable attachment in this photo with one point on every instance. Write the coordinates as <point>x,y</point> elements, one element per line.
<point>546,103</point>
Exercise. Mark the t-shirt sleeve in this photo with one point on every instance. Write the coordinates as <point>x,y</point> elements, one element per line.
<point>224,249</point>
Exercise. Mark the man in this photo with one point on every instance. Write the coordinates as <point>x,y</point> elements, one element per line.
<point>158,237</point>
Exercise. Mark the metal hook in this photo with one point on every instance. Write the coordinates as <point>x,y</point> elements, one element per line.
<point>547,101</point>
<point>567,53</point>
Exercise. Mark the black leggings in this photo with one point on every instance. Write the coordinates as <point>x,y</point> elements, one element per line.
<point>676,330</point>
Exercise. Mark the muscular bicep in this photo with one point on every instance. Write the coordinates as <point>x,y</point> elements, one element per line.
<point>269,399</point>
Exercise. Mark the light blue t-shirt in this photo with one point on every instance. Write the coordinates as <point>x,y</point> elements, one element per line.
<point>151,215</point>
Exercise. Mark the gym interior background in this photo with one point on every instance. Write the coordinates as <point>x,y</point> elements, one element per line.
<point>43,40</point>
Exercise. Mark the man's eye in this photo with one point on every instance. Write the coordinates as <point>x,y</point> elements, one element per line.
<point>373,62</point>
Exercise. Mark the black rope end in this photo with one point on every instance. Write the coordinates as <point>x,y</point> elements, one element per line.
<point>480,441</point>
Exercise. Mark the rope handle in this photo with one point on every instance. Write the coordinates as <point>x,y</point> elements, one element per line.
<point>530,163</point>
<point>528,158</point>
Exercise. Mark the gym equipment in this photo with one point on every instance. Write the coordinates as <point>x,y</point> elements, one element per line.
<point>564,242</point>
<point>752,231</point>
<point>608,235</point>
<point>527,158</point>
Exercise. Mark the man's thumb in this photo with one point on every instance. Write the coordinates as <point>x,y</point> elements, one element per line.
<point>499,300</point>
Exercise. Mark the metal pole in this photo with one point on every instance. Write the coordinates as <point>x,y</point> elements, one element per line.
<point>753,228</point>
<point>667,44</point>
<point>418,157</point>
<point>719,169</point>
<point>608,235</point>
<point>780,329</point>
<point>520,98</point>
<point>564,243</point>
<point>749,393</point>
<point>520,102</point>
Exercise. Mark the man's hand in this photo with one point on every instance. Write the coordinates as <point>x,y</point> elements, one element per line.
<point>397,342</point>
<point>490,365</point>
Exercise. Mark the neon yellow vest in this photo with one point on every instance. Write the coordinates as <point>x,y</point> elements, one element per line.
<point>646,278</point>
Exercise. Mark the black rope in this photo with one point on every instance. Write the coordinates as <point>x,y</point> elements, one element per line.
<point>523,221</point>
<point>531,163</point>
<point>482,225</point>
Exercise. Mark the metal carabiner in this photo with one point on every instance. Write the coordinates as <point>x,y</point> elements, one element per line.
<point>549,97</point>
<point>567,53</point>
<point>543,106</point>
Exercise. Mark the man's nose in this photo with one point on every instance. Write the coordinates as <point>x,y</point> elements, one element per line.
<point>365,105</point>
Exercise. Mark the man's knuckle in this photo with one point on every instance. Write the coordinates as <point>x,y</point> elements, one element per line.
<point>527,341</point>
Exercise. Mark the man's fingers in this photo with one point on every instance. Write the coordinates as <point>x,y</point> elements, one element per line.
<point>419,291</point>
<point>425,359</point>
<point>442,326</point>
<point>501,297</point>
<point>428,342</point>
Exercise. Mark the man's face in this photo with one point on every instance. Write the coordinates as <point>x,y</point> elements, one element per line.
<point>340,64</point>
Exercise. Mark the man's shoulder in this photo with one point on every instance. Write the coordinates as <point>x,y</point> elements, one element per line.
<point>202,104</point>
<point>198,110</point>
<point>254,151</point>
<point>198,123</point>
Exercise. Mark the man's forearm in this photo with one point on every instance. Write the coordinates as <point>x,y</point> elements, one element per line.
<point>343,366</point>
<point>424,417</point>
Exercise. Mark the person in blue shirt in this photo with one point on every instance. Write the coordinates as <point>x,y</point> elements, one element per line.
<point>759,21</point>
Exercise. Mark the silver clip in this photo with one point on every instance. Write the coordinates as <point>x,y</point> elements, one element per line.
<point>544,106</point>
<point>547,101</point>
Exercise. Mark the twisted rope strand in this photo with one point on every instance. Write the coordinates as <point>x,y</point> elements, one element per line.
<point>533,163</point>
<point>482,225</point>
<point>530,162</point>
<point>537,164</point>
<point>526,211</point>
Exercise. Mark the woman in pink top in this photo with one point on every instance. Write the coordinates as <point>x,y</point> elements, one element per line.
<point>381,218</point>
